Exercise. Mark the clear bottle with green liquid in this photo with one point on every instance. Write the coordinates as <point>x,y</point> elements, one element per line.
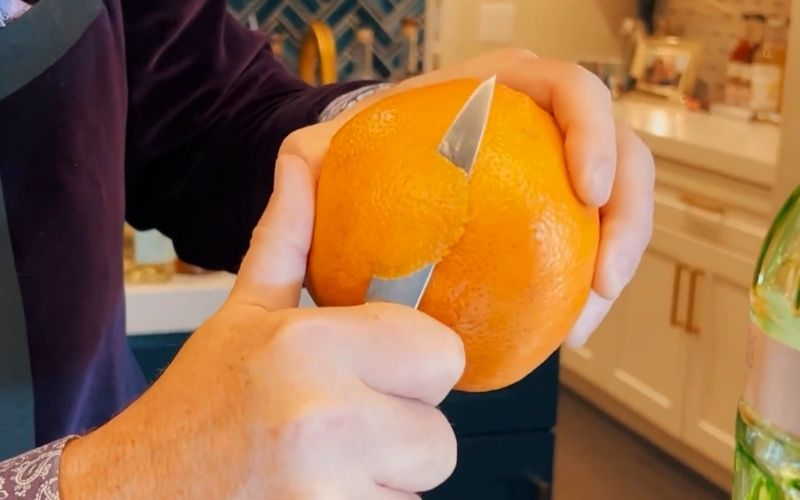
<point>767,463</point>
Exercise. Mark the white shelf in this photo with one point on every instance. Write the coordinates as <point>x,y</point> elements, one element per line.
<point>742,150</point>
<point>180,305</point>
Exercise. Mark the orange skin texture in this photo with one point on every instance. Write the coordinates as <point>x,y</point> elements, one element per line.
<point>514,247</point>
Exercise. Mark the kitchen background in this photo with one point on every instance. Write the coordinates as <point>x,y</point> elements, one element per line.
<point>646,409</point>
<point>291,19</point>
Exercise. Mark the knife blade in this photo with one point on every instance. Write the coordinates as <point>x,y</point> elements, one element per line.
<point>460,145</point>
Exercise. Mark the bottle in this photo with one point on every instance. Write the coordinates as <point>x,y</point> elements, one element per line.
<point>767,69</point>
<point>767,460</point>
<point>362,54</point>
<point>738,62</point>
<point>183,267</point>
<point>127,248</point>
<point>756,39</point>
<point>153,258</point>
<point>411,57</point>
<point>277,42</point>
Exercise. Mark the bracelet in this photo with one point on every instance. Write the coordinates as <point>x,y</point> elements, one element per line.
<point>349,99</point>
<point>33,475</point>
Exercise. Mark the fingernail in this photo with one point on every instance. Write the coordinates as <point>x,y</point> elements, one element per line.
<point>592,315</point>
<point>600,180</point>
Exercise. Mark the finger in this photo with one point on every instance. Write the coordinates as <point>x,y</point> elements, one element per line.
<point>581,105</point>
<point>272,272</point>
<point>593,313</point>
<point>393,349</point>
<point>578,100</point>
<point>416,448</point>
<point>627,219</point>
<point>384,493</point>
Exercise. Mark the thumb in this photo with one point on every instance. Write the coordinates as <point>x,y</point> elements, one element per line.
<point>272,272</point>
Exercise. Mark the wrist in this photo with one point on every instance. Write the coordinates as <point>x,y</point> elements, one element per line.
<point>104,464</point>
<point>132,456</point>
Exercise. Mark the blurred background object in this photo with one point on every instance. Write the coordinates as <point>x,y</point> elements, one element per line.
<point>719,25</point>
<point>363,54</point>
<point>344,18</point>
<point>318,54</point>
<point>148,256</point>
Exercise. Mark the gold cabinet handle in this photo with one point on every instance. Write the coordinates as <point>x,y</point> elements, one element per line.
<point>318,46</point>
<point>676,291</point>
<point>691,327</point>
<point>703,204</point>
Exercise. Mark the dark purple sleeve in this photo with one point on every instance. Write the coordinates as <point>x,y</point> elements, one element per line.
<point>209,106</point>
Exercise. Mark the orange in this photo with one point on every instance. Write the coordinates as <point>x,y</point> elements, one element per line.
<point>514,248</point>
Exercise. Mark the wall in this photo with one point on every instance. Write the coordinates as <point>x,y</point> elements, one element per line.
<point>566,29</point>
<point>715,23</point>
<point>789,158</point>
<point>291,18</point>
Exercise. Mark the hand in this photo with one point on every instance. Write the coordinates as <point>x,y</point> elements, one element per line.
<point>269,401</point>
<point>609,165</point>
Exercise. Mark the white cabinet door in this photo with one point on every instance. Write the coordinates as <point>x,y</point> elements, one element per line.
<point>716,366</point>
<point>649,366</point>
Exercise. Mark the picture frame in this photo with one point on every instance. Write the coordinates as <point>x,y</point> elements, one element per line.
<point>666,66</point>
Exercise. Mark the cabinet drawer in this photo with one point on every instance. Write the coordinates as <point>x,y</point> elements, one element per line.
<point>530,404</point>
<point>709,221</point>
<point>501,467</point>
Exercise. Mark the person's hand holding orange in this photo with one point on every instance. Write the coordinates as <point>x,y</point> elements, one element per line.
<point>609,165</point>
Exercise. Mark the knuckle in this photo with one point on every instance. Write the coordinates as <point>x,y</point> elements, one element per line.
<point>453,357</point>
<point>585,77</point>
<point>520,54</point>
<point>441,455</point>
<point>314,424</point>
<point>639,152</point>
<point>289,331</point>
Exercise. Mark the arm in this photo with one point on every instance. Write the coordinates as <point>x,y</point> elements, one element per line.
<point>246,409</point>
<point>209,106</point>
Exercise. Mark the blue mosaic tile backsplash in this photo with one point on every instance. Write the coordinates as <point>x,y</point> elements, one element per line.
<point>291,17</point>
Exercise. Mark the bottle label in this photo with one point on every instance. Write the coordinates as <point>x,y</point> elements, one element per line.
<point>772,380</point>
<point>766,86</point>
<point>152,247</point>
<point>737,85</point>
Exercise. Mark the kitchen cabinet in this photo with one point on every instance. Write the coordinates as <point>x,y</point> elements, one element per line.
<point>716,365</point>
<point>648,364</point>
<point>639,353</point>
<point>503,467</point>
<point>672,351</point>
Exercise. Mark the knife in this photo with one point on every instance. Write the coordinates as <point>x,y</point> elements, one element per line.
<point>460,145</point>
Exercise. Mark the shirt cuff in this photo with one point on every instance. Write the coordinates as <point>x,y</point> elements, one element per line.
<point>347,100</point>
<point>33,475</point>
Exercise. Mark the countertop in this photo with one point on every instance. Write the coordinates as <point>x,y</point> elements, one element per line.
<point>743,150</point>
<point>179,305</point>
<point>747,151</point>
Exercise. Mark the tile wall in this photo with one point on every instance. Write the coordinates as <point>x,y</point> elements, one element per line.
<point>291,17</point>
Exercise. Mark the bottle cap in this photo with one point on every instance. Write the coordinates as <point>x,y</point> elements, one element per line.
<point>365,35</point>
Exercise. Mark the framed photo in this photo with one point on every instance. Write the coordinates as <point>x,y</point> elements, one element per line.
<point>608,71</point>
<point>666,66</point>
